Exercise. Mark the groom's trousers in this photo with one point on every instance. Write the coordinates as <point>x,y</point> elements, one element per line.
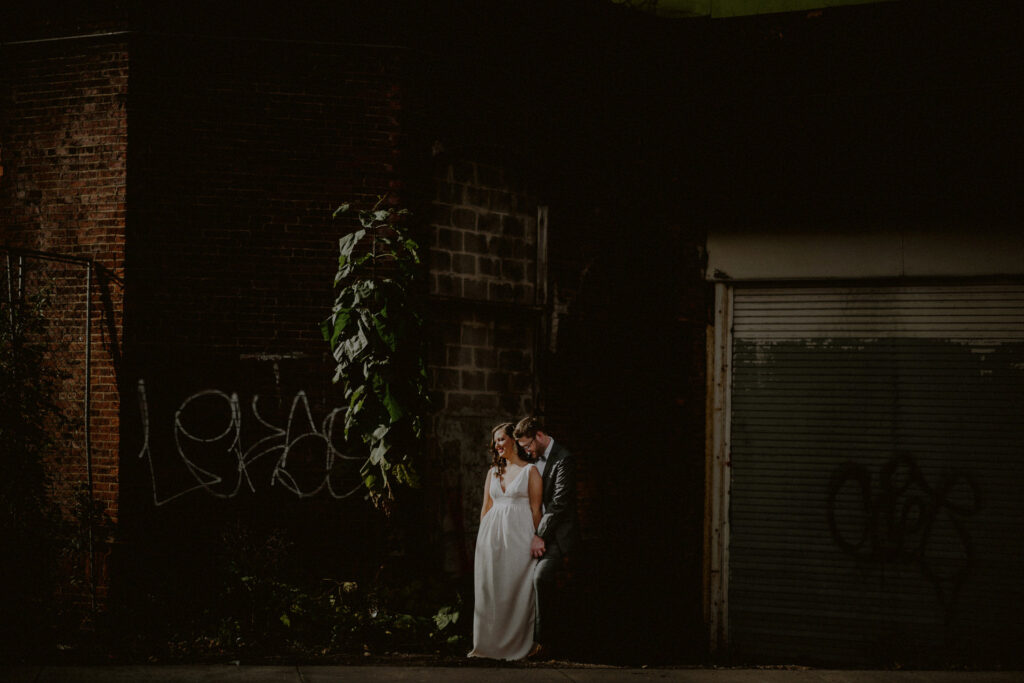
<point>548,615</point>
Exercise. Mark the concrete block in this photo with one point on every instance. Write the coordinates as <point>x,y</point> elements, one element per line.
<point>465,219</point>
<point>490,222</point>
<point>474,289</point>
<point>464,264</point>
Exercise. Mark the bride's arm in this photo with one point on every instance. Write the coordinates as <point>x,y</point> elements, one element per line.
<point>536,491</point>
<point>487,495</point>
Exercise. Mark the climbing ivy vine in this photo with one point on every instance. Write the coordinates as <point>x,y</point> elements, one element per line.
<point>375,331</point>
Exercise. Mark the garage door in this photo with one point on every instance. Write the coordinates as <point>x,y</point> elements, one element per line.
<point>877,472</point>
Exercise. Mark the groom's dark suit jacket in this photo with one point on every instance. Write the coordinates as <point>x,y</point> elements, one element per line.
<point>558,525</point>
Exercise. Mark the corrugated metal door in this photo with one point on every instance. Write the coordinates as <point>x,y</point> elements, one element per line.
<point>877,470</point>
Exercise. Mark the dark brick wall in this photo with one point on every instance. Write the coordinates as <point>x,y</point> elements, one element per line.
<point>63,152</point>
<point>240,151</point>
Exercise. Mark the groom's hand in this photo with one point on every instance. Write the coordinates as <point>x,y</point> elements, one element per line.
<point>537,546</point>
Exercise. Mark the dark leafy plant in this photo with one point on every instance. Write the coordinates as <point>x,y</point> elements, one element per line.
<point>86,525</point>
<point>445,620</point>
<point>30,524</point>
<point>268,604</point>
<point>255,589</point>
<point>375,331</point>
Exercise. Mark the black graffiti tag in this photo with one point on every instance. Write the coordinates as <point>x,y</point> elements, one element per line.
<point>896,522</point>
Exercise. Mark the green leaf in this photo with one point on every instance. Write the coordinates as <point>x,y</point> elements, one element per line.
<point>406,475</point>
<point>348,243</point>
<point>341,209</point>
<point>286,621</point>
<point>380,323</point>
<point>375,365</point>
<point>393,406</point>
<point>364,288</point>
<point>349,266</point>
<point>355,345</point>
<point>355,405</point>
<point>366,219</point>
<point>341,355</point>
<point>357,398</point>
<point>413,248</point>
<point>335,326</point>
<point>446,616</point>
<point>379,451</point>
<point>404,621</point>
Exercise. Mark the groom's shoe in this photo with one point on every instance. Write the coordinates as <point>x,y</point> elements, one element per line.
<point>538,653</point>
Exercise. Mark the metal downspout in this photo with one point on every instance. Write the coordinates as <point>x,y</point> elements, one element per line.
<point>88,442</point>
<point>10,291</point>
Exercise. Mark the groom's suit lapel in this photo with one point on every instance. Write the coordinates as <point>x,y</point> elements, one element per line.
<point>549,469</point>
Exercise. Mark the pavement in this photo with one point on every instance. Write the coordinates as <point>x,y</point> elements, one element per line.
<point>501,674</point>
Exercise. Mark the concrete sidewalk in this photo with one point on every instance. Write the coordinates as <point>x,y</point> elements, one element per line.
<point>534,674</point>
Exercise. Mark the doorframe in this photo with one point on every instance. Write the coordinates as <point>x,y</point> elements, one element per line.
<point>718,477</point>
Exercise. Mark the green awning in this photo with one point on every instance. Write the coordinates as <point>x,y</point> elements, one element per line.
<point>735,8</point>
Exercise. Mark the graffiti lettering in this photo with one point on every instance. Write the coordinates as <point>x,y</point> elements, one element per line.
<point>299,455</point>
<point>898,523</point>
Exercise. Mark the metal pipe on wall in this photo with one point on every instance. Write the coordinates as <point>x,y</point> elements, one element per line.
<point>86,408</point>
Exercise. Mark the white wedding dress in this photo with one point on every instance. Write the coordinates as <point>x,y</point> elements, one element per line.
<point>503,573</point>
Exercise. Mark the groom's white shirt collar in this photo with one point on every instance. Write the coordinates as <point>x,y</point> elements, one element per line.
<point>542,460</point>
<point>547,451</point>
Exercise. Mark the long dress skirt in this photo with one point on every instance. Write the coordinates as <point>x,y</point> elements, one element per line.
<point>503,573</point>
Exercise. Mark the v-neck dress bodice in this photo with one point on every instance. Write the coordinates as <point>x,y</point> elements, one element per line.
<point>503,572</point>
<point>507,487</point>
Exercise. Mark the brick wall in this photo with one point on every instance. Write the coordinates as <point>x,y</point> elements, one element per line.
<point>484,325</point>
<point>241,151</point>
<point>62,191</point>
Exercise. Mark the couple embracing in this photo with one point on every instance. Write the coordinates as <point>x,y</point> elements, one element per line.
<point>527,530</point>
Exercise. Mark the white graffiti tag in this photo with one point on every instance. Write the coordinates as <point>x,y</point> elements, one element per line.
<point>299,455</point>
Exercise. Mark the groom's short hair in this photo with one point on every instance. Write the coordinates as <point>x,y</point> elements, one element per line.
<point>528,427</point>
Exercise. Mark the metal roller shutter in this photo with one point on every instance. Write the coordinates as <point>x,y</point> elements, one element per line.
<point>877,465</point>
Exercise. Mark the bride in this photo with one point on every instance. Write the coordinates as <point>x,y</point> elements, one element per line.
<point>503,568</point>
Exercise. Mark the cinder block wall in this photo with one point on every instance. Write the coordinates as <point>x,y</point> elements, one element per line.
<point>484,321</point>
<point>63,146</point>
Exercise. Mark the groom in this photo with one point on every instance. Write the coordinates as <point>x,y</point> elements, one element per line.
<point>558,533</point>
